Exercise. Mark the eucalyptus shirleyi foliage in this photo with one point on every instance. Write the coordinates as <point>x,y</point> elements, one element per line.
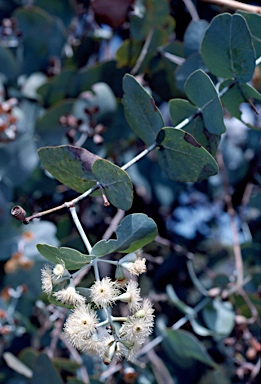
<point>109,318</point>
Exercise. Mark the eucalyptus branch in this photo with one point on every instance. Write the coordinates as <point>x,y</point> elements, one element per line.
<point>195,279</point>
<point>80,229</point>
<point>139,156</point>
<point>144,52</point>
<point>232,4</point>
<point>192,10</point>
<point>232,214</point>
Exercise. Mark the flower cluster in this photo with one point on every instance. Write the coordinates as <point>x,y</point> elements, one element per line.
<point>115,337</point>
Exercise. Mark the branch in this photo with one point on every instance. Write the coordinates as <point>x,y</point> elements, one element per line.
<point>232,214</point>
<point>192,10</point>
<point>232,4</point>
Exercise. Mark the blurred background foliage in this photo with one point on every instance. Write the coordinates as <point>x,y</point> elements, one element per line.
<point>61,68</point>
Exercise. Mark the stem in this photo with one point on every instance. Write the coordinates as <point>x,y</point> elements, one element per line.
<point>195,279</point>
<point>144,52</point>
<point>232,214</point>
<point>232,4</point>
<point>139,156</point>
<point>192,10</point>
<point>80,229</point>
<point>96,269</point>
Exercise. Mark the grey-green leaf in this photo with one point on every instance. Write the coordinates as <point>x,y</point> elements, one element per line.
<point>182,109</point>
<point>116,183</point>
<point>140,110</point>
<point>134,232</point>
<point>219,316</point>
<point>45,372</point>
<point>182,158</point>
<point>70,165</point>
<point>202,92</point>
<point>72,258</point>
<point>186,346</point>
<point>227,48</point>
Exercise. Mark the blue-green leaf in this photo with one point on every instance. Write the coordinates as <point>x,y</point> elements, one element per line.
<point>227,48</point>
<point>134,232</point>
<point>72,258</point>
<point>202,92</point>
<point>140,110</point>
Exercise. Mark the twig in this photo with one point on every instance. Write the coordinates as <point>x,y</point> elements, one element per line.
<point>254,313</point>
<point>80,229</point>
<point>160,370</point>
<point>114,223</point>
<point>77,358</point>
<point>232,4</point>
<point>192,10</point>
<point>232,214</point>
<point>144,52</point>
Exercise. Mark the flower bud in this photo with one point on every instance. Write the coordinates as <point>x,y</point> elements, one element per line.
<point>19,214</point>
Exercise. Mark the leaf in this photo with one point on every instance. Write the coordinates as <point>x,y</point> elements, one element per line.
<point>236,95</point>
<point>207,100</point>
<point>182,158</point>
<point>17,365</point>
<point>193,36</point>
<point>177,302</point>
<point>8,64</point>
<point>72,258</point>
<point>199,329</point>
<point>186,346</point>
<point>70,165</point>
<point>48,126</point>
<point>128,53</point>
<point>183,109</point>
<point>155,13</point>
<point>219,316</point>
<point>190,65</point>
<point>44,371</point>
<point>254,23</point>
<point>116,183</point>
<point>140,110</point>
<point>39,29</point>
<point>227,48</point>
<point>134,232</point>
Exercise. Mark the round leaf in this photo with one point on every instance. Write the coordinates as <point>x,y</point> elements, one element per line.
<point>116,183</point>
<point>227,48</point>
<point>134,232</point>
<point>207,100</point>
<point>219,316</point>
<point>186,347</point>
<point>193,36</point>
<point>140,110</point>
<point>182,158</point>
<point>72,259</point>
<point>70,165</point>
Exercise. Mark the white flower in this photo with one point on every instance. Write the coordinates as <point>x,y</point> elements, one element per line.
<point>128,349</point>
<point>131,296</point>
<point>103,292</point>
<point>80,325</point>
<point>92,346</point>
<point>146,311</point>
<point>138,267</point>
<point>46,277</point>
<point>69,296</point>
<point>134,263</point>
<point>136,329</point>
